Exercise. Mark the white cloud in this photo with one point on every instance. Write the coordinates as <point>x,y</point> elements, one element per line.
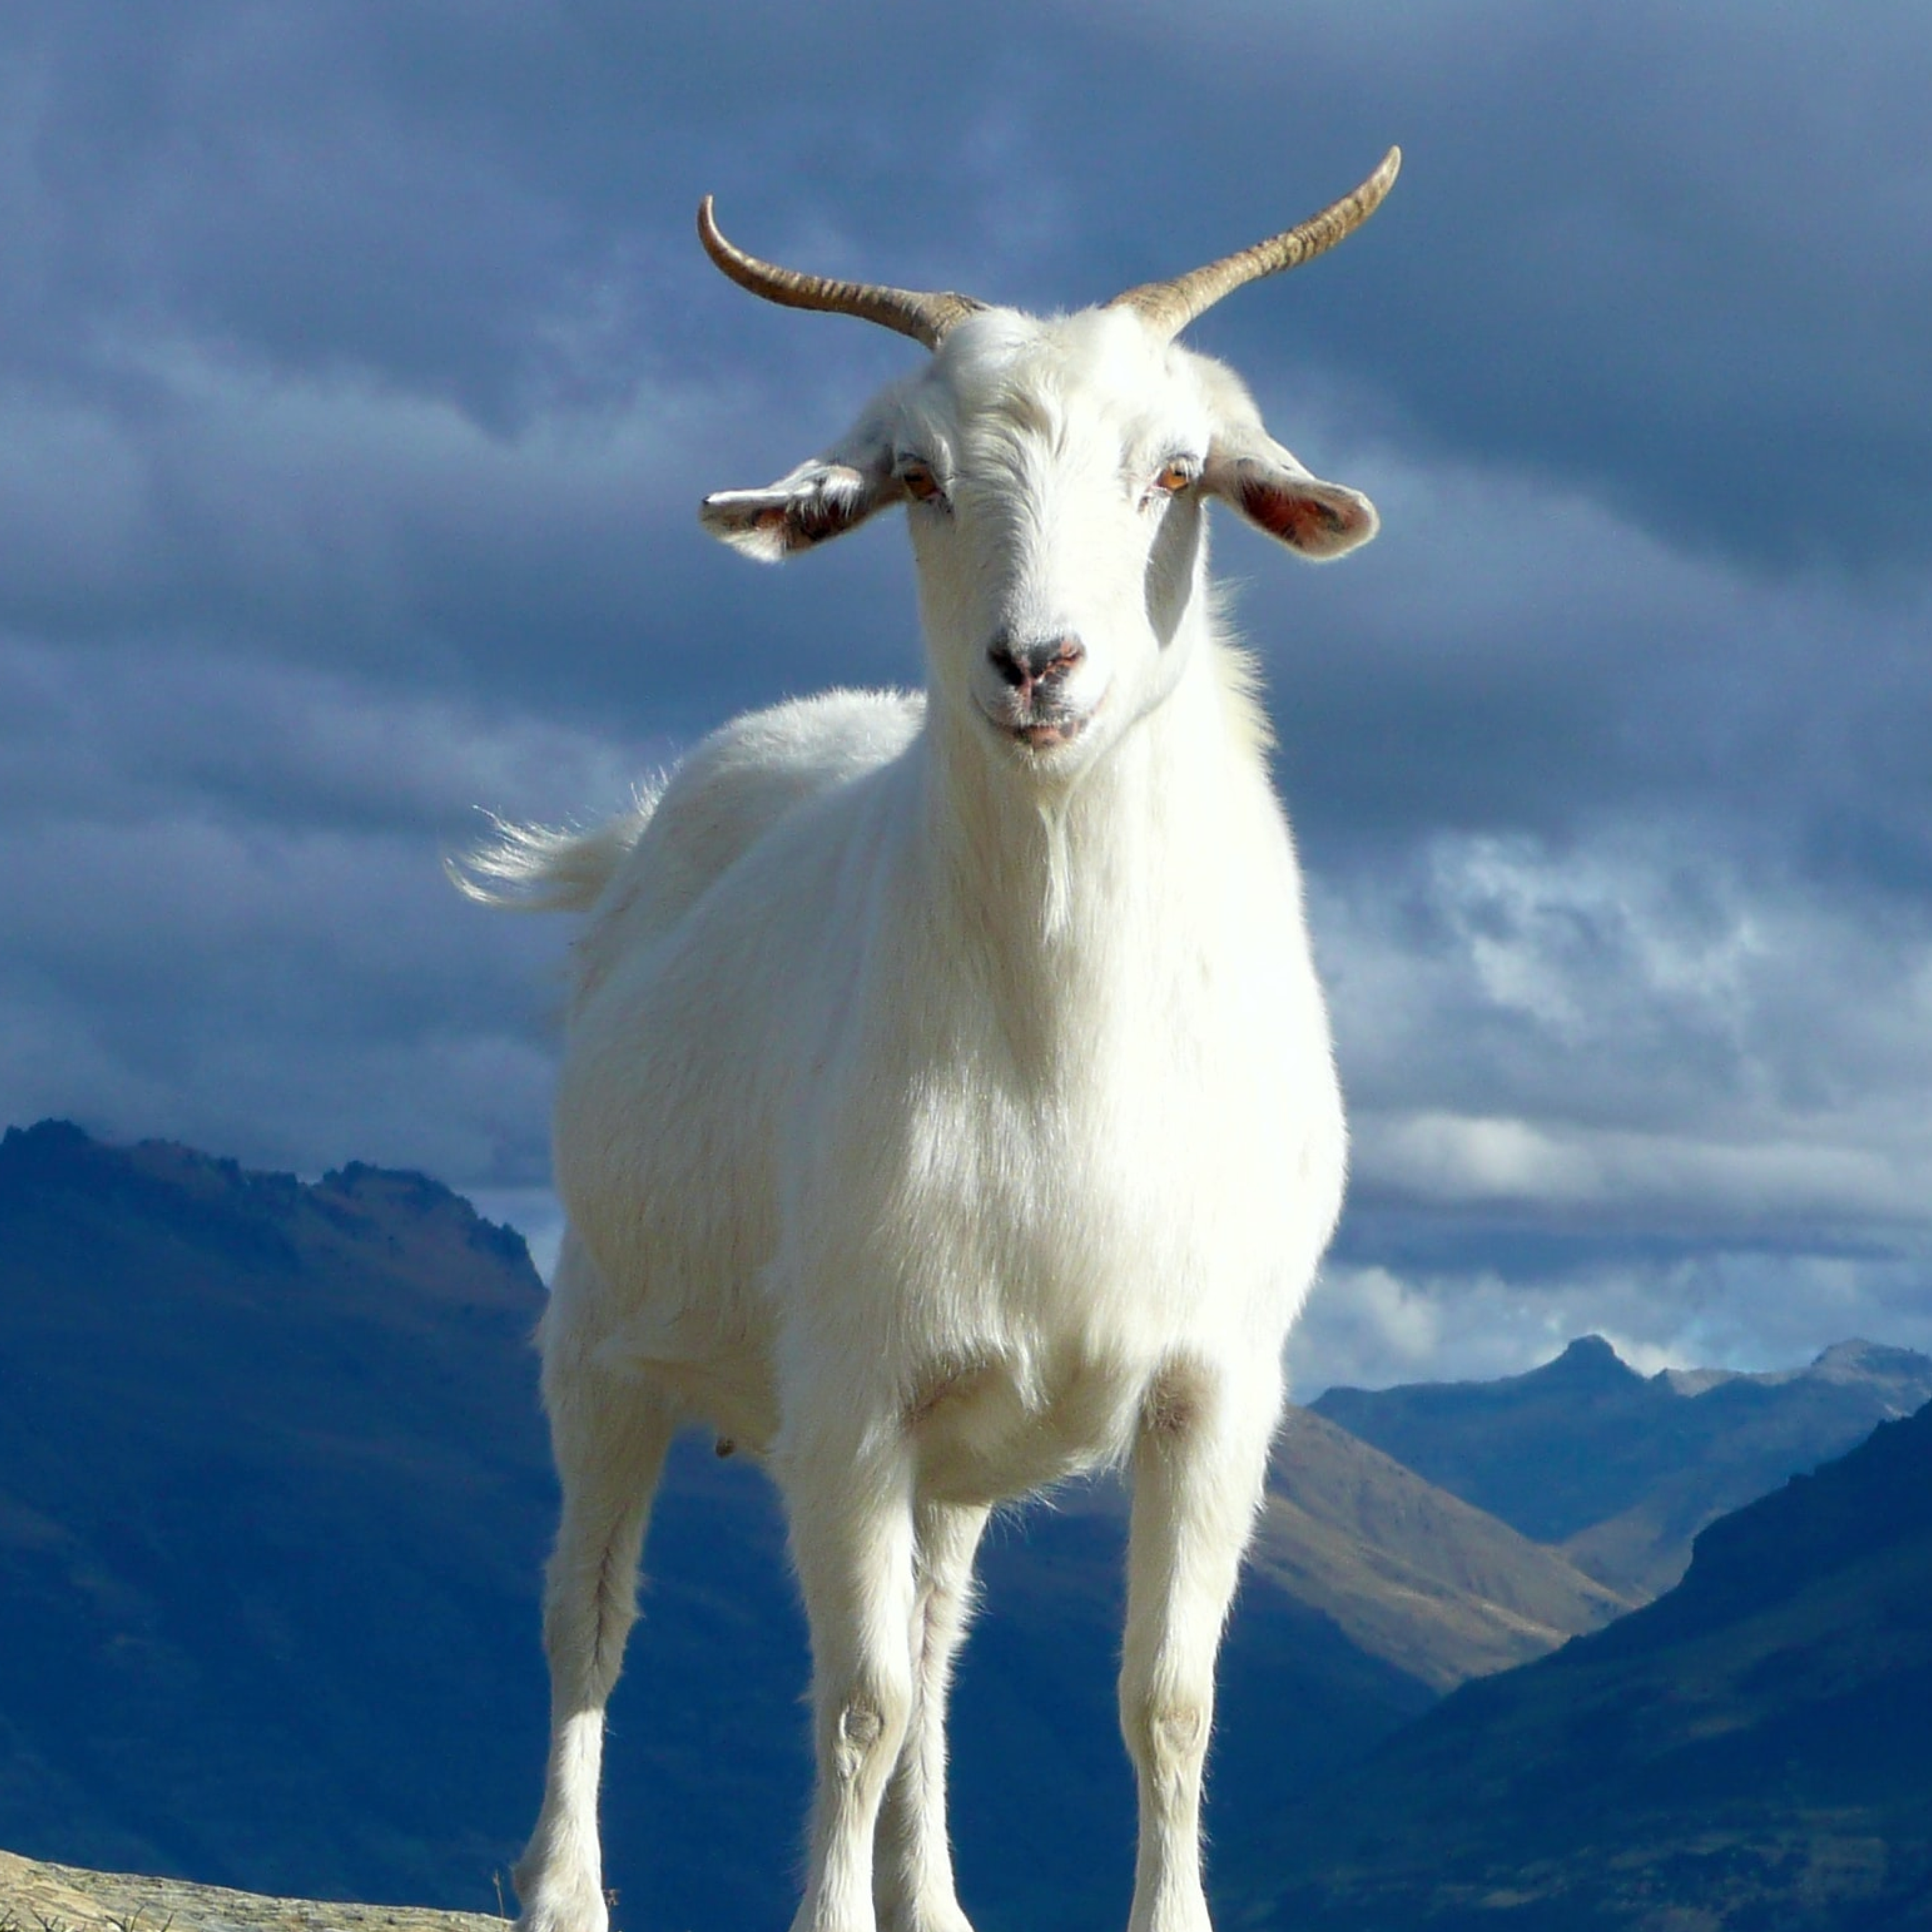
<point>1684,1089</point>
<point>1372,1327</point>
<point>1676,1180</point>
<point>1639,1015</point>
<point>228,921</point>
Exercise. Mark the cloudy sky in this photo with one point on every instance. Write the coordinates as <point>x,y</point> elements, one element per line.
<point>359,374</point>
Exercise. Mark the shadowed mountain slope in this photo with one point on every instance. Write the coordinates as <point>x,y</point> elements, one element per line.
<point>1753,1750</point>
<point>269,1470</point>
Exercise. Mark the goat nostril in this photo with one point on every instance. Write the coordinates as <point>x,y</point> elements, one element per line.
<point>1021,665</point>
<point>1000,657</point>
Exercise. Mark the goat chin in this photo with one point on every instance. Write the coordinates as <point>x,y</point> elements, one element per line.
<point>947,1102</point>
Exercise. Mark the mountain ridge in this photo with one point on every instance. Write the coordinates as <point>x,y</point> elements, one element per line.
<point>1620,1471</point>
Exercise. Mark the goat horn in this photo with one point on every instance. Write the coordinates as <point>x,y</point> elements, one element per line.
<point>1172,305</point>
<point>926,317</point>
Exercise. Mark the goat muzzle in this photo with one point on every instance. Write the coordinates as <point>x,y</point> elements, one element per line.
<point>1034,707</point>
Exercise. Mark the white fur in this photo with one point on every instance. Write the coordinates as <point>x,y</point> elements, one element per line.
<point>946,1111</point>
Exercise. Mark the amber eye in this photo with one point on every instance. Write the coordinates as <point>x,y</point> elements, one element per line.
<point>921,484</point>
<point>1176,474</point>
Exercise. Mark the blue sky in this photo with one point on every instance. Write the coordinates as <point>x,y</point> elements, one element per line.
<point>360,373</point>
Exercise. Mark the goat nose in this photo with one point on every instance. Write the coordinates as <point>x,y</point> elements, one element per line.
<point>1035,660</point>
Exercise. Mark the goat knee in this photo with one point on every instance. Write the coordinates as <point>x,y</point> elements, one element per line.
<point>1167,1736</point>
<point>868,1725</point>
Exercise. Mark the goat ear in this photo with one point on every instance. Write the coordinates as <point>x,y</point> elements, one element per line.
<point>1275,494</point>
<point>819,499</point>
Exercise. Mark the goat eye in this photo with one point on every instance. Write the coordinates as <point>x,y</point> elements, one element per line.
<point>1176,474</point>
<point>921,484</point>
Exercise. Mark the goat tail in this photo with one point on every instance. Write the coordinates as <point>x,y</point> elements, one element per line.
<point>546,868</point>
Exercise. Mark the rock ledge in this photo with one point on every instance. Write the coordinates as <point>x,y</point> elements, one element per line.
<point>36,1897</point>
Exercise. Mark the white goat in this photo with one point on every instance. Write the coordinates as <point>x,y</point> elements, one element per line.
<point>948,1104</point>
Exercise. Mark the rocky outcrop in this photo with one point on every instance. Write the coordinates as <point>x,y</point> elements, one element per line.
<point>36,1897</point>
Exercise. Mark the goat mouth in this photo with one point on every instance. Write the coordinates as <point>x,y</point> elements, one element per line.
<point>1040,730</point>
<point>1041,734</point>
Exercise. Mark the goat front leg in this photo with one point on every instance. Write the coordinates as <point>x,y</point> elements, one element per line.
<point>1199,1463</point>
<point>912,1881</point>
<point>610,1438</point>
<point>852,1539</point>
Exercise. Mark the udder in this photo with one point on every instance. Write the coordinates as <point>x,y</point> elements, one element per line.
<point>989,1429</point>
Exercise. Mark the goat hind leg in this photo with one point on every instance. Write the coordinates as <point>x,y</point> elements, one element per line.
<point>590,1604</point>
<point>609,1437</point>
<point>912,1871</point>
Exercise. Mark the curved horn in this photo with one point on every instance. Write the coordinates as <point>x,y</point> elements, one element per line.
<point>926,317</point>
<point>1172,305</point>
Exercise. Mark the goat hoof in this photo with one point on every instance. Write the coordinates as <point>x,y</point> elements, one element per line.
<point>941,1916</point>
<point>565,1906</point>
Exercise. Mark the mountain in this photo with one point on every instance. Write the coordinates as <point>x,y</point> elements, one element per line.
<point>273,1500</point>
<point>1750,1752</point>
<point>270,1473</point>
<point>1753,1750</point>
<point>1620,1470</point>
<point>1408,1572</point>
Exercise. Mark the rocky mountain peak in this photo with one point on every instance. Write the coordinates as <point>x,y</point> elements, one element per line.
<point>1858,1360</point>
<point>1590,1358</point>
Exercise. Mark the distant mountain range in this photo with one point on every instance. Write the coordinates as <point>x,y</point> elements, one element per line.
<point>1620,1470</point>
<point>1753,1750</point>
<point>274,1498</point>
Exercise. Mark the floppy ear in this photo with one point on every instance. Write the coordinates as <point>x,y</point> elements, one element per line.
<point>1275,493</point>
<point>824,498</point>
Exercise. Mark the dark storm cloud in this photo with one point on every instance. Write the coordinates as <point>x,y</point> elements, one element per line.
<point>1666,255</point>
<point>1649,262</point>
<point>229,922</point>
<point>359,374</point>
<point>1522,657</point>
<point>1670,255</point>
